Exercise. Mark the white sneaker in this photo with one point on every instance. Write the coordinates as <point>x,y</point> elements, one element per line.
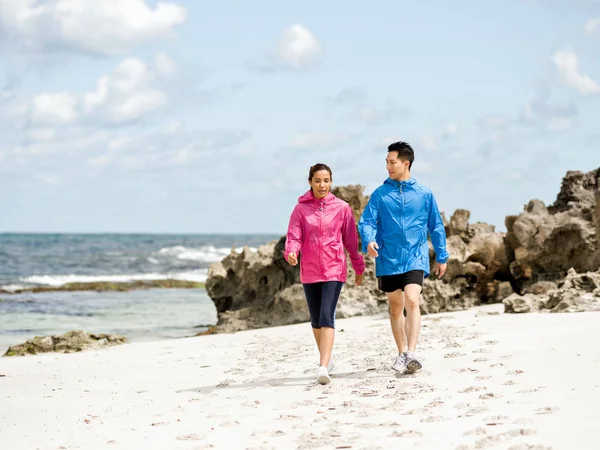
<point>323,376</point>
<point>330,366</point>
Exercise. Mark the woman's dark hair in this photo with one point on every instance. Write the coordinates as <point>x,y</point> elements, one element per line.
<point>316,168</point>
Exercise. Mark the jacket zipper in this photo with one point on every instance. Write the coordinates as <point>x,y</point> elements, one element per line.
<point>402,221</point>
<point>321,209</point>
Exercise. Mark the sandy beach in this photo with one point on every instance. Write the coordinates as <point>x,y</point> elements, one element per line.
<point>489,381</point>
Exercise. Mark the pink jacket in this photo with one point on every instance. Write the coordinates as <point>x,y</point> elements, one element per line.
<point>318,231</point>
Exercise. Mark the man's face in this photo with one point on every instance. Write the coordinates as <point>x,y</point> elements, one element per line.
<point>396,167</point>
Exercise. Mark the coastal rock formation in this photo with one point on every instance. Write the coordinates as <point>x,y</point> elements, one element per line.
<point>524,268</point>
<point>575,293</point>
<point>543,243</point>
<point>255,290</point>
<point>70,342</point>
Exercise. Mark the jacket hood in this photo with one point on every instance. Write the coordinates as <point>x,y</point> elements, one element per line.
<point>397,183</point>
<point>309,197</point>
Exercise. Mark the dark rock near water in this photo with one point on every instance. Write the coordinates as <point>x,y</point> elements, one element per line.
<point>105,286</point>
<point>70,342</point>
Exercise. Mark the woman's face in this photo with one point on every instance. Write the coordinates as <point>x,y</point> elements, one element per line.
<point>320,183</point>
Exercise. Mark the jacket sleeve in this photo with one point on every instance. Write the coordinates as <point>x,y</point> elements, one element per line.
<point>367,225</point>
<point>293,238</point>
<point>435,225</point>
<point>350,237</point>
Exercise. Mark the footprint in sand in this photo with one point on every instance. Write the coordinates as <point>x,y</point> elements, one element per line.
<point>474,411</point>
<point>481,350</point>
<point>453,345</point>
<point>454,355</point>
<point>189,437</point>
<point>407,433</point>
<point>529,447</point>
<point>472,389</point>
<point>489,395</point>
<point>492,441</point>
<point>483,377</point>
<point>431,419</point>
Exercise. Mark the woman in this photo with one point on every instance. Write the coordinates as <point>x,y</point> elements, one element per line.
<point>320,227</point>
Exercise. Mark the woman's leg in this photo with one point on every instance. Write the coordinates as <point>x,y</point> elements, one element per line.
<point>329,298</point>
<point>312,291</point>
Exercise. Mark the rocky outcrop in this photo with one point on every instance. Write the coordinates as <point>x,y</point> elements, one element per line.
<point>478,266</point>
<point>70,342</point>
<point>255,290</point>
<point>575,293</point>
<point>525,268</point>
<point>543,243</point>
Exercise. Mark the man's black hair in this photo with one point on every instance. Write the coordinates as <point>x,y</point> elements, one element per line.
<point>404,150</point>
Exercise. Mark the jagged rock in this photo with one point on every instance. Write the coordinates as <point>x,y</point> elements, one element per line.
<point>70,342</point>
<point>576,293</point>
<point>543,243</point>
<point>516,303</point>
<point>250,279</point>
<point>439,296</point>
<point>254,290</point>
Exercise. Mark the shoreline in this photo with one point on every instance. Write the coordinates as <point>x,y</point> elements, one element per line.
<point>490,380</point>
<point>110,286</point>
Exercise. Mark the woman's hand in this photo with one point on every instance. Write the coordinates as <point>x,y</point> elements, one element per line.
<point>292,259</point>
<point>358,279</point>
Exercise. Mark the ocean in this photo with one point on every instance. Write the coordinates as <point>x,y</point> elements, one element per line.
<point>30,260</point>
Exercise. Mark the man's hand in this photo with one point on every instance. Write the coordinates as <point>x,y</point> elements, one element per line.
<point>440,269</point>
<point>358,279</point>
<point>292,259</point>
<point>371,249</point>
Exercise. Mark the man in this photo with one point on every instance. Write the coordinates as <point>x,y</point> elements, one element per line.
<point>394,228</point>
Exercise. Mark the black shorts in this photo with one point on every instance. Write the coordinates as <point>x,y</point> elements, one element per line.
<point>391,283</point>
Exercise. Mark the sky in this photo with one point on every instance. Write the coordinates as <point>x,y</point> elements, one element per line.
<point>204,117</point>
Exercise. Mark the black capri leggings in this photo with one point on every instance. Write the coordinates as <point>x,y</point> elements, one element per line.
<point>322,300</point>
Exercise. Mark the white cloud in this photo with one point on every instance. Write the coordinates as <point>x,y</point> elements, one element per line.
<point>165,65</point>
<point>127,94</point>
<point>428,142</point>
<point>560,124</point>
<point>54,108</point>
<point>567,63</point>
<point>450,130</point>
<point>317,141</point>
<point>99,27</point>
<point>591,25</point>
<point>494,122</point>
<point>298,47</point>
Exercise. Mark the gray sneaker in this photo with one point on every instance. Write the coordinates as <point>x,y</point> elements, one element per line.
<point>399,364</point>
<point>413,363</point>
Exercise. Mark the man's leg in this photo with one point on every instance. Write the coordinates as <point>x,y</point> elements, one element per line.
<point>412,295</point>
<point>396,302</point>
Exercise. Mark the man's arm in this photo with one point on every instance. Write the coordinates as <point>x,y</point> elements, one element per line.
<point>367,225</point>
<point>435,225</point>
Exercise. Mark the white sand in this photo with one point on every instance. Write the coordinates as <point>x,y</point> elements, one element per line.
<point>489,381</point>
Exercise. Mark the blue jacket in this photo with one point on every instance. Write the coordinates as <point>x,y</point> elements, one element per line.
<point>398,217</point>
